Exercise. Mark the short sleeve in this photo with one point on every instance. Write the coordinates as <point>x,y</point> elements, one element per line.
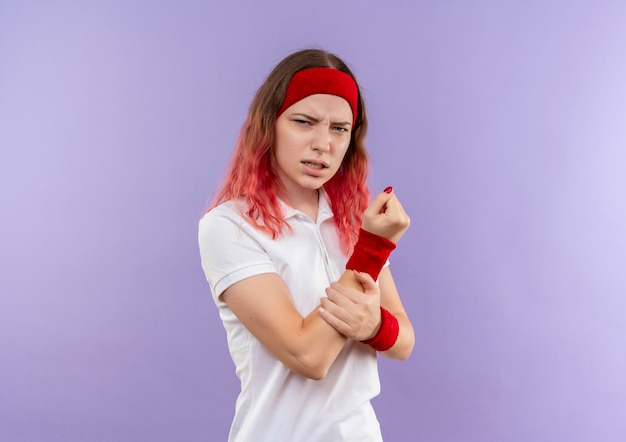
<point>229,251</point>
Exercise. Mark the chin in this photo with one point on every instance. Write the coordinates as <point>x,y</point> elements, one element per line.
<point>315,185</point>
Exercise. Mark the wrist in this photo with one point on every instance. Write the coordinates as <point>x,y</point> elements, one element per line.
<point>387,333</point>
<point>370,253</point>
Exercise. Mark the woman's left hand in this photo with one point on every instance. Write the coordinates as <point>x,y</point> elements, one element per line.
<point>352,313</point>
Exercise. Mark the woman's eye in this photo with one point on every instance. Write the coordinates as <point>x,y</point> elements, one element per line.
<point>340,129</point>
<point>301,122</point>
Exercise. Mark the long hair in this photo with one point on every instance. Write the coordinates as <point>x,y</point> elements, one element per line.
<point>251,174</point>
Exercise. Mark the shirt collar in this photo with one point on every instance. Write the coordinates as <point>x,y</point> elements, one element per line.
<point>324,210</point>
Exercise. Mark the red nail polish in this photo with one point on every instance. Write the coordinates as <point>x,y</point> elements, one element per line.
<point>388,189</point>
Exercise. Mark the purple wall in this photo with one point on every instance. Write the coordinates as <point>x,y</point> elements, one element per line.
<point>501,125</point>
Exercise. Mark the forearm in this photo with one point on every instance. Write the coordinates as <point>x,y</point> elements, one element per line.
<point>306,345</point>
<point>390,300</point>
<point>320,343</point>
<point>348,278</point>
<point>406,339</point>
<point>315,347</point>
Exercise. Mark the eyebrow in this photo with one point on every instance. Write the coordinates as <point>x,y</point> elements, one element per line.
<point>316,120</point>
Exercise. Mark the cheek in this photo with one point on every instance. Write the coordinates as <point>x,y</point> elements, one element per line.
<point>288,143</point>
<point>341,159</point>
<point>344,150</point>
<point>285,153</point>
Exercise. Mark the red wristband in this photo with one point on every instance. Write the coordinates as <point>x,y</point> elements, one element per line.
<point>370,253</point>
<point>387,334</point>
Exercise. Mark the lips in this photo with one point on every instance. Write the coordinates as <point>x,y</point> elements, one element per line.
<point>315,165</point>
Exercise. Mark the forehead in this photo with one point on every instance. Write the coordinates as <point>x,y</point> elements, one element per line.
<point>323,105</point>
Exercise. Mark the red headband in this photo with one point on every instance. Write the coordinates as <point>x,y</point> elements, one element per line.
<point>321,81</point>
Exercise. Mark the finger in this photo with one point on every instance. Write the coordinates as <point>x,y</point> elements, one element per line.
<point>341,295</point>
<point>368,283</point>
<point>334,321</point>
<point>379,202</point>
<point>345,295</point>
<point>394,206</point>
<point>394,214</point>
<point>342,310</point>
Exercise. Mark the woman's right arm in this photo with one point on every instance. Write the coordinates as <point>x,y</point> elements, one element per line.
<point>260,299</point>
<point>306,345</point>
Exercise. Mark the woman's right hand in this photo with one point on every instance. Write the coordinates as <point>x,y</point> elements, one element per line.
<point>386,217</point>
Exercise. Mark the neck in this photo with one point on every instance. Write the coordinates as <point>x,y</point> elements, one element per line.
<point>305,202</point>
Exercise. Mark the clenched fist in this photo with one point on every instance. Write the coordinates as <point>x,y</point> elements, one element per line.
<point>386,217</point>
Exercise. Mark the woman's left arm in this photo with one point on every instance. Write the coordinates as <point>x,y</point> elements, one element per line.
<point>357,315</point>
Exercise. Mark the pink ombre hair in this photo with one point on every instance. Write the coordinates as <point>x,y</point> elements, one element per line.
<point>251,174</point>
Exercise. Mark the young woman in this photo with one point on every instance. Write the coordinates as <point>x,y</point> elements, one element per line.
<point>297,260</point>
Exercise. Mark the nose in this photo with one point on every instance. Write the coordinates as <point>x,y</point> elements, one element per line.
<point>321,138</point>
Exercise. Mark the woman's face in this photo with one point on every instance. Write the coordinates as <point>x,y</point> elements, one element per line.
<point>312,138</point>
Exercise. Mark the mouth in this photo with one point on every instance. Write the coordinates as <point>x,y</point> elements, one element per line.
<point>315,165</point>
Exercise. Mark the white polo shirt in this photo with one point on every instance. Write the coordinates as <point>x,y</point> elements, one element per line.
<point>276,404</point>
